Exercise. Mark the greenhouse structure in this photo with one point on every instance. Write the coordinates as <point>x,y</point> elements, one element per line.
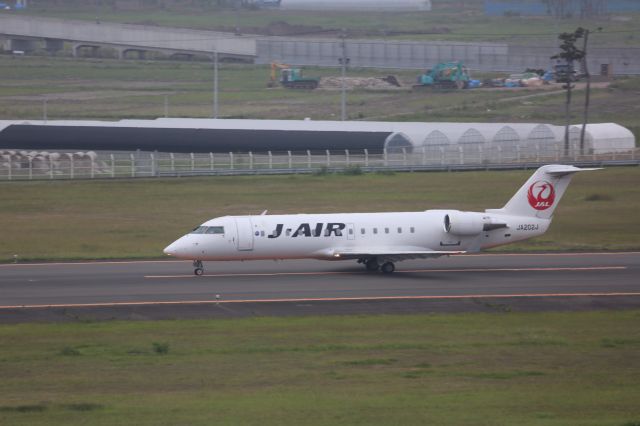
<point>445,141</point>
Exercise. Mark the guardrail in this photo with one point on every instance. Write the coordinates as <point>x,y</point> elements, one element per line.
<point>16,166</point>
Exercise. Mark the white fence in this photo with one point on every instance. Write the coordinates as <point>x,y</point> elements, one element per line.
<point>32,165</point>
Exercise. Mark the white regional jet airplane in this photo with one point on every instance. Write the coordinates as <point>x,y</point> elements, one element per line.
<point>377,240</point>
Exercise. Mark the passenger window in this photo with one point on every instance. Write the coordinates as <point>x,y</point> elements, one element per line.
<point>412,229</point>
<point>288,233</point>
<point>386,230</point>
<point>262,233</point>
<point>399,230</point>
<point>215,230</point>
<point>350,231</point>
<point>362,231</point>
<point>375,230</point>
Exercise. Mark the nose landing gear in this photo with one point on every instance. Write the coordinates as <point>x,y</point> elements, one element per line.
<point>199,268</point>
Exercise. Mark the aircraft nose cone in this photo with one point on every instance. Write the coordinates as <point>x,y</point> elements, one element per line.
<point>171,249</point>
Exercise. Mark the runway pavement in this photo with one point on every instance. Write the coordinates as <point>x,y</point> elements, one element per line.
<point>168,289</point>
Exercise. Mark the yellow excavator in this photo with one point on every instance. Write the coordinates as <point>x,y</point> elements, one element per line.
<point>291,78</point>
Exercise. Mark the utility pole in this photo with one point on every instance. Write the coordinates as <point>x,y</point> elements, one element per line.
<point>97,11</point>
<point>585,117</point>
<point>344,61</point>
<point>215,82</point>
<point>166,106</point>
<point>568,86</point>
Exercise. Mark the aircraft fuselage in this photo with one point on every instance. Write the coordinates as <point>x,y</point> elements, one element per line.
<point>317,236</point>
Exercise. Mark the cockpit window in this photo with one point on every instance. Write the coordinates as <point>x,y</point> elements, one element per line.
<point>208,230</point>
<point>199,230</point>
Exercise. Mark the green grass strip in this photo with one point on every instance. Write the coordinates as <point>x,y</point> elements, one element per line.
<point>138,218</point>
<point>462,369</point>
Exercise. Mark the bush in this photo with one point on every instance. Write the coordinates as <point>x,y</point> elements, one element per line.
<point>83,406</point>
<point>69,351</point>
<point>598,197</point>
<point>322,171</point>
<point>352,171</point>
<point>386,172</point>
<point>161,348</point>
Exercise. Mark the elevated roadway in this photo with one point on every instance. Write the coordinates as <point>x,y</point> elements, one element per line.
<point>124,37</point>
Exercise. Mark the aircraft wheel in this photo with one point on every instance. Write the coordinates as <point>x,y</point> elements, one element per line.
<point>372,265</point>
<point>198,271</point>
<point>388,267</point>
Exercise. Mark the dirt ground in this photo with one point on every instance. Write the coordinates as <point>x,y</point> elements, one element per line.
<point>392,82</point>
<point>112,90</point>
<point>83,96</point>
<point>360,83</point>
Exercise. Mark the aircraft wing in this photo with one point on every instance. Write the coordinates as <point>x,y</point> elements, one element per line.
<point>390,254</point>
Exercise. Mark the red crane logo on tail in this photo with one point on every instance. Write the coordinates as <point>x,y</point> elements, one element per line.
<point>541,195</point>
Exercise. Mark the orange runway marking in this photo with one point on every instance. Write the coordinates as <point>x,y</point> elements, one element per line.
<point>321,299</point>
<point>91,263</point>
<point>277,274</point>
<point>607,253</point>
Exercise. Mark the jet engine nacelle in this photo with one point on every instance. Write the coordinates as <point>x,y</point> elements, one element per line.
<point>469,223</point>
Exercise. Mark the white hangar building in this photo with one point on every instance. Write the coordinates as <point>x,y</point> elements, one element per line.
<point>358,5</point>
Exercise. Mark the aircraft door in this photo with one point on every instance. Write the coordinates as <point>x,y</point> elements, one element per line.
<point>245,233</point>
<point>351,231</point>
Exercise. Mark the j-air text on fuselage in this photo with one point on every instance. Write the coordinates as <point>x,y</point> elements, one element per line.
<point>378,240</point>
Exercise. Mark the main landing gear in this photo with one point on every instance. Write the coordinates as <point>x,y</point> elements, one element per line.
<point>199,268</point>
<point>388,268</point>
<point>373,265</point>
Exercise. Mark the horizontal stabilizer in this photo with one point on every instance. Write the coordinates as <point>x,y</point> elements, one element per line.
<point>561,170</point>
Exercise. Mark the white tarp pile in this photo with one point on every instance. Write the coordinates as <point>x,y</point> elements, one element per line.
<point>362,83</point>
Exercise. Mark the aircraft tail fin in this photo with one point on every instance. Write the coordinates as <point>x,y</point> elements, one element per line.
<point>540,195</point>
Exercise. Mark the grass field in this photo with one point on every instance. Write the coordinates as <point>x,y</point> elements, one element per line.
<point>138,218</point>
<point>110,89</point>
<point>473,369</point>
<point>449,20</point>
